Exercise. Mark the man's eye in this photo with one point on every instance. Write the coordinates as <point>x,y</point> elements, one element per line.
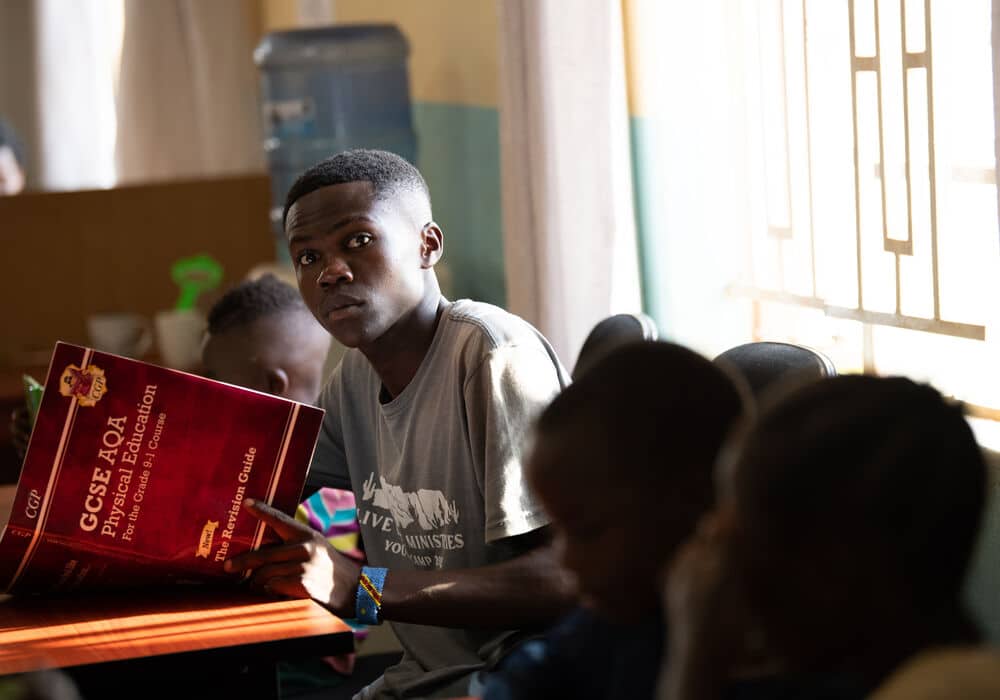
<point>306,257</point>
<point>359,241</point>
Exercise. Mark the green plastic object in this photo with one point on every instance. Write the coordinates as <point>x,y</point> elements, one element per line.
<point>32,396</point>
<point>195,275</point>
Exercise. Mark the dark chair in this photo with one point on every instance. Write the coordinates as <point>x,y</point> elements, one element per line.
<point>611,333</point>
<point>765,363</point>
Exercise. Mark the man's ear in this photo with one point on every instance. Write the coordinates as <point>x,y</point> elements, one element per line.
<point>277,381</point>
<point>431,244</point>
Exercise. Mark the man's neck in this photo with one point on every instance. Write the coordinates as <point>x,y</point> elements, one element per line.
<point>397,354</point>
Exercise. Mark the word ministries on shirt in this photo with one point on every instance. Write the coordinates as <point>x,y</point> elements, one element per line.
<point>411,546</point>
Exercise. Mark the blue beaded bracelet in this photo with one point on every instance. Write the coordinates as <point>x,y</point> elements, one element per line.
<point>368,604</point>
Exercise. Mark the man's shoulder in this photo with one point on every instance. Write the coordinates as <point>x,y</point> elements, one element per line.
<point>493,327</point>
<point>481,335</point>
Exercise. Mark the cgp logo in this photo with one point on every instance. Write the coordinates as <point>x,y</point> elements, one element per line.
<point>34,503</point>
<point>87,385</point>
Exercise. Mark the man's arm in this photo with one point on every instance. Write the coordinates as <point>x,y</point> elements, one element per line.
<point>530,589</point>
<point>527,590</point>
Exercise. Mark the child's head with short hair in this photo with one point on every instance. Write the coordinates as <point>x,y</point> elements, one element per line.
<point>622,462</point>
<point>854,505</point>
<point>262,336</point>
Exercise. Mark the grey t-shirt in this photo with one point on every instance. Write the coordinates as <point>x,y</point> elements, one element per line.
<point>437,470</point>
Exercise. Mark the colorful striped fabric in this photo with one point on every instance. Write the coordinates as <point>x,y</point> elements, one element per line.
<point>334,513</point>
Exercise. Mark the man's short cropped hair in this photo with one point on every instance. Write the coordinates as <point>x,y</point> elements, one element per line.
<point>387,172</point>
<point>252,300</point>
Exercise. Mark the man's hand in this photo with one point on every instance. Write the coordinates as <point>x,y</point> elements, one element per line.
<point>304,566</point>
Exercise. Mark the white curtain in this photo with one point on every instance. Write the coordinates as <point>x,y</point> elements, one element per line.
<point>18,80</point>
<point>996,90</point>
<point>569,229</point>
<point>76,56</point>
<point>187,104</point>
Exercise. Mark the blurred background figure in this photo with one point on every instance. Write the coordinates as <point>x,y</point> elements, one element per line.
<point>11,161</point>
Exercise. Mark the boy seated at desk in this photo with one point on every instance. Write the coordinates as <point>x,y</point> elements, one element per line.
<point>622,462</point>
<point>425,419</point>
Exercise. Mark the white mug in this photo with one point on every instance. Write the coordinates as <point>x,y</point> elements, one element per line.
<point>120,333</point>
<point>179,334</point>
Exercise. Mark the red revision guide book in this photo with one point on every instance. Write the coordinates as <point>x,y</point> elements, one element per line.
<point>137,474</point>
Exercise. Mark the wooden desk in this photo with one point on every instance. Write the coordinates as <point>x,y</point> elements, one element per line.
<point>39,633</point>
<point>228,637</point>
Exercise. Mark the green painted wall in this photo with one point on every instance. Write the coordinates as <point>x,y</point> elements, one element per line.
<point>458,152</point>
<point>652,244</point>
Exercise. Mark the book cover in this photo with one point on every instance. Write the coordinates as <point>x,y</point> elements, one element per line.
<point>137,474</point>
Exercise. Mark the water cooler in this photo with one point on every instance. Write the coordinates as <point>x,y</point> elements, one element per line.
<point>328,89</point>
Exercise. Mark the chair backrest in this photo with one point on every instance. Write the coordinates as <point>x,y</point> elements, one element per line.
<point>613,332</point>
<point>765,363</point>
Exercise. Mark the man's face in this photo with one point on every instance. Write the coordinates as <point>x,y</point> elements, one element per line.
<point>602,536</point>
<point>11,175</point>
<point>358,261</point>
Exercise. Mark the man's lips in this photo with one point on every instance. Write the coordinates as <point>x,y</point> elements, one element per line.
<point>335,308</point>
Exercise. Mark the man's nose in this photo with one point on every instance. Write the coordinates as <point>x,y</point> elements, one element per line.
<point>335,272</point>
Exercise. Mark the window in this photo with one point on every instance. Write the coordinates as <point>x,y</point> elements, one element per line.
<point>875,118</point>
<point>859,175</point>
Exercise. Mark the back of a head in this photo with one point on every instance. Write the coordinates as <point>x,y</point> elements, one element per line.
<point>262,336</point>
<point>252,300</point>
<point>388,173</point>
<point>872,486</point>
<point>651,416</point>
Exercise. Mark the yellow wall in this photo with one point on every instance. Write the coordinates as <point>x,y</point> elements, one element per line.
<point>277,14</point>
<point>453,42</point>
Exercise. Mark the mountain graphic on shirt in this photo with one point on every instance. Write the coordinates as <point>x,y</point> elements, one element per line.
<point>428,508</point>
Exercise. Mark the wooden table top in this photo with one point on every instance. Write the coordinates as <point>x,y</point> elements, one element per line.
<point>57,632</point>
<point>37,633</point>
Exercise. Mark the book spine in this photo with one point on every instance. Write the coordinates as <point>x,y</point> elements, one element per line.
<point>39,476</point>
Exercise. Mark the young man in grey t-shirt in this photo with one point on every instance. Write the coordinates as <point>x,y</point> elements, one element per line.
<point>426,416</point>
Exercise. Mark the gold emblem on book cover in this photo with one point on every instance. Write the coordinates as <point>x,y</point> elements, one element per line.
<point>87,385</point>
